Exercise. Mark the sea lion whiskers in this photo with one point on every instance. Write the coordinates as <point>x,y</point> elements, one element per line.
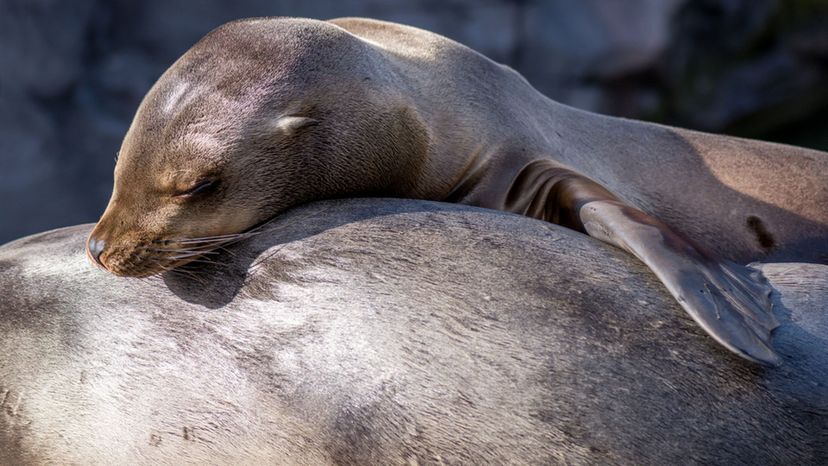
<point>189,274</point>
<point>178,250</point>
<point>212,243</point>
<point>174,265</point>
<point>189,255</point>
<point>216,240</point>
<point>167,254</point>
<point>207,248</point>
<point>162,259</point>
<point>200,239</point>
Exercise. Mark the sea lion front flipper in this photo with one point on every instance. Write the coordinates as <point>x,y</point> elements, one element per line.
<point>729,301</point>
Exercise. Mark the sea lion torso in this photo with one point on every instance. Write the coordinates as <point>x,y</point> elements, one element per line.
<point>394,332</point>
<point>265,114</point>
<point>746,200</point>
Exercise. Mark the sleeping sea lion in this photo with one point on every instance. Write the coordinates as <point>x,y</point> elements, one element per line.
<point>264,114</point>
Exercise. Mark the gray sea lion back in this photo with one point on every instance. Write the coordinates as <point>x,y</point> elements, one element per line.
<point>389,332</point>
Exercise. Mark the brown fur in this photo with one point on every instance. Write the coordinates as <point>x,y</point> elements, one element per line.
<point>405,112</point>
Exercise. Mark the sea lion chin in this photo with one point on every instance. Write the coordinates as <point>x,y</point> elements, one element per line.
<point>265,114</point>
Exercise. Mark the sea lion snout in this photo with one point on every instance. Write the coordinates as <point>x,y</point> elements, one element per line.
<point>99,245</point>
<point>114,250</point>
<point>128,246</point>
<point>122,255</point>
<point>94,248</point>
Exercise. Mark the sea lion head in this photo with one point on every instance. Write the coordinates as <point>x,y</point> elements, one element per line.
<point>257,117</point>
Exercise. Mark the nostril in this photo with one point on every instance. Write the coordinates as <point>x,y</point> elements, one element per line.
<point>96,247</point>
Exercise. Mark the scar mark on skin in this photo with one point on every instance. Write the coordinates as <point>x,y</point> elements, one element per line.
<point>187,433</point>
<point>763,236</point>
<point>8,405</point>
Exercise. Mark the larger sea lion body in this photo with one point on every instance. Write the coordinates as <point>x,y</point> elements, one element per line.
<point>389,332</point>
<point>265,114</point>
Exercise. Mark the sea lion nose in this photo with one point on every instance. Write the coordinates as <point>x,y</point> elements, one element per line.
<point>96,248</point>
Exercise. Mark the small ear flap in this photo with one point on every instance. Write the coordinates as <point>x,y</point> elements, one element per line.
<point>290,124</point>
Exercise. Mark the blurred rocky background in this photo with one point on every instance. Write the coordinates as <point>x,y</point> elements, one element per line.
<point>73,72</point>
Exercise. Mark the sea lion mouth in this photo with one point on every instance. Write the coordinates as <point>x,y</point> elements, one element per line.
<point>146,258</point>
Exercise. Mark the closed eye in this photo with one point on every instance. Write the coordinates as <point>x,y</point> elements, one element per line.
<point>202,187</point>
